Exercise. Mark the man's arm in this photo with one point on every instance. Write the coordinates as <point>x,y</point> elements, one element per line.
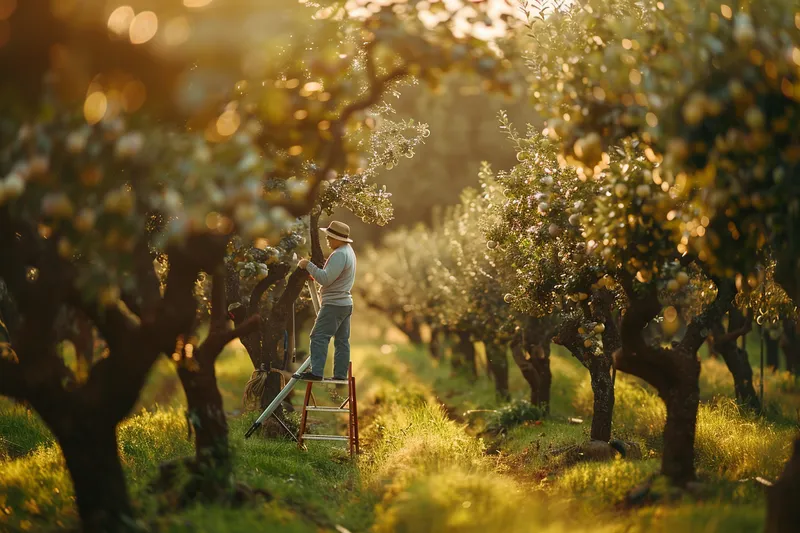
<point>333,268</point>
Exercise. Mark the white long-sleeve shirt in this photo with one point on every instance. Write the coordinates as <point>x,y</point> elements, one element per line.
<point>337,277</point>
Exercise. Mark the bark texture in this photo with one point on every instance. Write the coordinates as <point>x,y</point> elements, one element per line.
<point>783,511</point>
<point>497,360</point>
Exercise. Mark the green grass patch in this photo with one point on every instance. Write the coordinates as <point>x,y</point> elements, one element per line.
<point>21,430</point>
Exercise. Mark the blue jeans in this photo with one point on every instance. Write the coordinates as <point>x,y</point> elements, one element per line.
<point>332,321</point>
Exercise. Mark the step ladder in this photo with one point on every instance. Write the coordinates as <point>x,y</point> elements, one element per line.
<point>349,406</point>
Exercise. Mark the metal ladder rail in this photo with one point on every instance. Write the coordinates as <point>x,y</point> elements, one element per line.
<point>352,409</point>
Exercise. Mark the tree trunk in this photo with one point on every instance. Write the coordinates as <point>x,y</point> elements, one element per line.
<point>497,359</point>
<point>682,400</point>
<point>791,346</point>
<point>772,348</point>
<point>89,445</point>
<point>783,511</point>
<point>466,354</point>
<point>435,346</point>
<point>603,390</point>
<point>213,463</point>
<point>535,368</point>
<point>736,360</point>
<point>411,327</point>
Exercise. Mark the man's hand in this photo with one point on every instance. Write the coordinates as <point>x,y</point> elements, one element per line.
<point>303,263</point>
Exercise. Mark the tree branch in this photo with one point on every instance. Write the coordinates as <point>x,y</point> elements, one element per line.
<point>569,338</point>
<point>275,274</point>
<point>317,256</point>
<point>377,86</point>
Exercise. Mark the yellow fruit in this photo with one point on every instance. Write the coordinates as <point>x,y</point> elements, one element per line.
<point>582,331</point>
<point>599,328</point>
<point>673,285</point>
<point>682,278</point>
<point>587,343</point>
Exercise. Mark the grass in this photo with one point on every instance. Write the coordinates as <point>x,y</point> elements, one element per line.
<point>425,467</point>
<point>21,430</point>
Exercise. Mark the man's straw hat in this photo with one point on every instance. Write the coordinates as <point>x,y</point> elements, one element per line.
<point>337,230</point>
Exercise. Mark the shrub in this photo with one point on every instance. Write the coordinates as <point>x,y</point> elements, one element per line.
<point>514,414</point>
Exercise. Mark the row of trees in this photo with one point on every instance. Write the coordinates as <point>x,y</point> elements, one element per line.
<point>136,227</point>
<point>656,208</point>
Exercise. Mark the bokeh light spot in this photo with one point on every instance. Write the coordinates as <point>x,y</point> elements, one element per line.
<point>228,123</point>
<point>120,20</point>
<point>143,27</point>
<point>196,3</point>
<point>176,31</point>
<point>95,106</point>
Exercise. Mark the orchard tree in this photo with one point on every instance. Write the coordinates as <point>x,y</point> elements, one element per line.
<point>254,271</point>
<point>470,277</point>
<point>710,117</point>
<point>399,284</point>
<point>717,110</point>
<point>89,199</point>
<point>537,227</point>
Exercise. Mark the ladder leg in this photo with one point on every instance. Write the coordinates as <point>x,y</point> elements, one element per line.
<point>350,409</point>
<point>304,416</point>
<point>354,409</point>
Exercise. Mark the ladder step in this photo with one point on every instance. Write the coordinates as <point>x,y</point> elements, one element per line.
<point>343,438</point>
<point>327,409</point>
<point>334,381</point>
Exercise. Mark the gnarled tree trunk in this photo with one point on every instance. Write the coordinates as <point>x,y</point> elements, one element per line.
<point>791,346</point>
<point>599,363</point>
<point>531,353</point>
<point>435,346</point>
<point>464,355</point>
<point>212,466</point>
<point>674,372</point>
<point>772,351</point>
<point>736,358</point>
<point>89,445</point>
<point>783,511</point>
<point>497,359</point>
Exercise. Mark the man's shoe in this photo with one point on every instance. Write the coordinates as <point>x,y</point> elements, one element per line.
<point>307,376</point>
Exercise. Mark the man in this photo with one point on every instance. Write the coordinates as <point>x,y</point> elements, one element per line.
<point>333,320</point>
